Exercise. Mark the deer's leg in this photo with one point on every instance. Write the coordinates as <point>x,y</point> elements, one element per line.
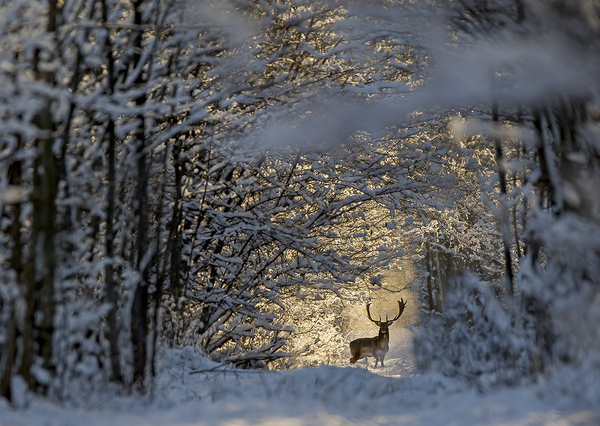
<point>382,356</point>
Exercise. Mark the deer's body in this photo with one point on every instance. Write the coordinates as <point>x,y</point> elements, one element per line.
<point>377,346</point>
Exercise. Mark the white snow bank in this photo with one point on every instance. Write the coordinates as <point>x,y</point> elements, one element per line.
<point>319,396</point>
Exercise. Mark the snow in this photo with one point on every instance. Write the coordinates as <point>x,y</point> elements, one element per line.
<point>329,395</point>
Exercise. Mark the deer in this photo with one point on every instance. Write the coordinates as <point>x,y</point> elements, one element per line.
<point>378,346</point>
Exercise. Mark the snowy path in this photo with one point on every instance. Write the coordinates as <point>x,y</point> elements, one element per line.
<point>330,396</point>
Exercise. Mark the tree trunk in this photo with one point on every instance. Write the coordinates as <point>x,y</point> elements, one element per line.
<point>111,292</point>
<point>174,241</point>
<point>504,219</point>
<point>40,279</point>
<point>438,281</point>
<point>139,310</point>
<point>43,260</point>
<point>428,266</point>
<point>8,356</point>
<point>548,181</point>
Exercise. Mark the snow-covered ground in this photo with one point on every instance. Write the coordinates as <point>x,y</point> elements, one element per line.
<point>329,395</point>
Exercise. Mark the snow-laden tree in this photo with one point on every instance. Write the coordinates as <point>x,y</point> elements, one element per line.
<point>138,184</point>
<point>530,62</point>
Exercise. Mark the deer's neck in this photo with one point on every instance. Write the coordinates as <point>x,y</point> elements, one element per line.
<point>383,338</point>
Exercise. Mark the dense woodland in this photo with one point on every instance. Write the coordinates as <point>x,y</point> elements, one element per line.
<point>237,176</point>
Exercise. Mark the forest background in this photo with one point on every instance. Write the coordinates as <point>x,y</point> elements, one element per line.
<point>240,176</point>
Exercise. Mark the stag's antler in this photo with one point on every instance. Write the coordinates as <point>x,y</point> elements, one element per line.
<point>369,315</point>
<point>401,306</point>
